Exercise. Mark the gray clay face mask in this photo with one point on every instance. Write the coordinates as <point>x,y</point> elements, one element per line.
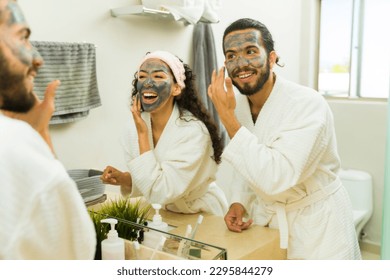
<point>15,94</point>
<point>235,42</point>
<point>19,49</point>
<point>245,57</point>
<point>154,84</point>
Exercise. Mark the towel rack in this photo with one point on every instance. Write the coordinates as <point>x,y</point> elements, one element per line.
<point>143,11</point>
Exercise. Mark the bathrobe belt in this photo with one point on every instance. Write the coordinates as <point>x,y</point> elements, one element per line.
<point>182,204</point>
<point>281,208</point>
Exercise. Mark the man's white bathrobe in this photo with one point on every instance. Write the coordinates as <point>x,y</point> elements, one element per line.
<point>43,215</point>
<point>286,166</point>
<point>179,172</point>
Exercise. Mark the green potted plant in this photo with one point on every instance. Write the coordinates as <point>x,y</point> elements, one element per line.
<point>124,210</point>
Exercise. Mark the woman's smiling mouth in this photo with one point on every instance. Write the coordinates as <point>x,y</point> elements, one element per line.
<point>149,97</point>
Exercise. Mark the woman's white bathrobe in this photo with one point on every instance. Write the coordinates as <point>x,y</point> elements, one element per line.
<point>179,172</point>
<point>286,168</point>
<point>42,215</point>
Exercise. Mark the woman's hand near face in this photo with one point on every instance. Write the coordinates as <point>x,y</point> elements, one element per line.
<point>136,111</point>
<point>142,129</point>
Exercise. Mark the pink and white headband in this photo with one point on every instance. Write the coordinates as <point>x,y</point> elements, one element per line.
<point>173,62</point>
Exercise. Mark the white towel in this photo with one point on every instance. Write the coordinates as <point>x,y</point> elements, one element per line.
<point>190,10</point>
<point>75,65</point>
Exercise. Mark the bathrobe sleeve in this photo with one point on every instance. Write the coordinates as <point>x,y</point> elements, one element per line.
<point>287,155</point>
<point>165,178</point>
<point>45,216</point>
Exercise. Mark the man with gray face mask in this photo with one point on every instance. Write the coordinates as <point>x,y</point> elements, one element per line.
<point>283,151</point>
<point>43,215</point>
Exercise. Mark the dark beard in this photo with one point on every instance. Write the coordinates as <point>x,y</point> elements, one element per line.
<point>248,90</point>
<point>15,97</point>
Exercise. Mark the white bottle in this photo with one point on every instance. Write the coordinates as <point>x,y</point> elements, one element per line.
<point>113,248</point>
<point>152,238</point>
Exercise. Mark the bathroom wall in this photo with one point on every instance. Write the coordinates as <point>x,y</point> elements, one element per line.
<point>121,43</point>
<point>361,137</point>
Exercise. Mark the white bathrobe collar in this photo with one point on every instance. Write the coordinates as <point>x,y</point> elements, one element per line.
<point>245,116</point>
<point>174,116</point>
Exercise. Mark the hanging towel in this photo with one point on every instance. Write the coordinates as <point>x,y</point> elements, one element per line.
<point>74,64</point>
<point>205,61</point>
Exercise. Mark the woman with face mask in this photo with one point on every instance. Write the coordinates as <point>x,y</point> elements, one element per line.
<point>172,147</point>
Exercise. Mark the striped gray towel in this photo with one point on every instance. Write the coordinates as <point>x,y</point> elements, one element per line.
<point>74,64</point>
<point>88,183</point>
<point>205,61</point>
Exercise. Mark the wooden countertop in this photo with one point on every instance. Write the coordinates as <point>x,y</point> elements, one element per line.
<point>255,243</point>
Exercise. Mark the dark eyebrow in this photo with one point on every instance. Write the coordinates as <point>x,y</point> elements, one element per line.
<point>155,71</point>
<point>251,47</point>
<point>230,51</point>
<point>245,48</point>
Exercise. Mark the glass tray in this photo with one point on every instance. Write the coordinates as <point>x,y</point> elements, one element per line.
<point>174,247</point>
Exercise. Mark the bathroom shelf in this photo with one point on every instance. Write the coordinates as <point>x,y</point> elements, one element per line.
<point>139,10</point>
<point>143,11</point>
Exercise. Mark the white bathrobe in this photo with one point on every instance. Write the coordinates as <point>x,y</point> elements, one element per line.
<point>286,166</point>
<point>179,172</point>
<point>42,213</point>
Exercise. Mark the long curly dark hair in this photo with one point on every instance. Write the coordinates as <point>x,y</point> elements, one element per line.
<point>189,100</point>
